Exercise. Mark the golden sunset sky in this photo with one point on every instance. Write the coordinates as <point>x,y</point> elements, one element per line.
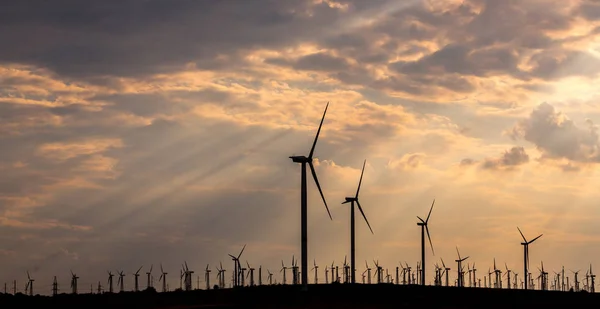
<point>139,132</point>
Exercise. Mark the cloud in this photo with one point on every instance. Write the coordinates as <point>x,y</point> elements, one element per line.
<point>135,127</point>
<point>557,136</point>
<point>510,159</point>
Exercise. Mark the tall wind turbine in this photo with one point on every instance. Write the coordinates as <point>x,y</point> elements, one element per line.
<point>424,227</point>
<point>526,244</point>
<point>149,284</point>
<point>236,267</point>
<point>29,284</point>
<point>163,277</point>
<point>136,275</point>
<point>353,200</point>
<point>460,272</point>
<point>110,281</point>
<point>304,203</point>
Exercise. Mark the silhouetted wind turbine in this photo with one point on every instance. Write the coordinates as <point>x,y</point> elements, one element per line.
<point>74,282</point>
<point>236,266</point>
<point>316,269</point>
<point>526,244</point>
<point>592,279</point>
<point>136,275</point>
<point>120,281</point>
<point>207,277</point>
<point>110,281</point>
<point>353,200</point>
<point>149,283</point>
<point>163,277</point>
<point>29,284</point>
<point>460,269</point>
<point>424,227</point>
<point>304,203</point>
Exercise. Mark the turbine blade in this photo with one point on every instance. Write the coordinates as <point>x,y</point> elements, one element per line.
<point>312,170</point>
<point>458,253</point>
<point>524,239</point>
<point>312,150</point>
<point>421,219</point>
<point>241,251</point>
<point>429,237</point>
<point>535,238</point>
<point>430,209</point>
<point>361,177</point>
<point>364,216</point>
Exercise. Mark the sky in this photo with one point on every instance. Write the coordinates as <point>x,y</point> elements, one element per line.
<point>145,132</point>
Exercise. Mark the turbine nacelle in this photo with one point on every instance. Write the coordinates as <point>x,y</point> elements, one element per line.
<point>301,159</point>
<point>350,200</point>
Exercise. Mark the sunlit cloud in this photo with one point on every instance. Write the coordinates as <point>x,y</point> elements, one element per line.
<point>163,140</point>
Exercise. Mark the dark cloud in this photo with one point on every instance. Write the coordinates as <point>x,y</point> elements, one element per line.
<point>557,136</point>
<point>511,158</point>
<point>134,37</point>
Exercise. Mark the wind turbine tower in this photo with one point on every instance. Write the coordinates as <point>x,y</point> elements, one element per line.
<point>136,275</point>
<point>424,227</point>
<point>110,281</point>
<point>120,282</point>
<point>163,277</point>
<point>29,284</point>
<point>525,245</point>
<point>316,269</point>
<point>149,274</point>
<point>236,267</point>
<point>460,269</point>
<point>304,203</point>
<point>207,277</point>
<point>352,201</point>
<point>74,282</point>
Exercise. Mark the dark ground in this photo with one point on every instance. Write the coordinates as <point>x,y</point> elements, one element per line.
<point>318,296</point>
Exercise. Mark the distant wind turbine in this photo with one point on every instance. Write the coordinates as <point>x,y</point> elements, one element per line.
<point>526,244</point>
<point>353,200</point>
<point>424,227</point>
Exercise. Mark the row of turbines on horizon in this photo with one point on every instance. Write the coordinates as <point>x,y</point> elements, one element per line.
<point>404,271</point>
<point>404,275</point>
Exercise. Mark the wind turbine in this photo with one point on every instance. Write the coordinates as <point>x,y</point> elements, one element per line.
<point>424,227</point>
<point>74,282</point>
<point>270,277</point>
<point>592,279</point>
<point>110,281</point>
<point>304,203</point>
<point>135,278</point>
<point>316,269</point>
<point>576,273</point>
<point>29,284</point>
<point>149,284</point>
<point>250,274</point>
<point>353,200</point>
<point>460,269</point>
<point>526,244</point>
<point>236,266</point>
<point>220,275</point>
<point>447,270</point>
<point>163,277</point>
<point>207,277</point>
<point>120,282</point>
<point>283,269</point>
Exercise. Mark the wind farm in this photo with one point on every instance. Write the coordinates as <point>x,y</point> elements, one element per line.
<point>413,282</point>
